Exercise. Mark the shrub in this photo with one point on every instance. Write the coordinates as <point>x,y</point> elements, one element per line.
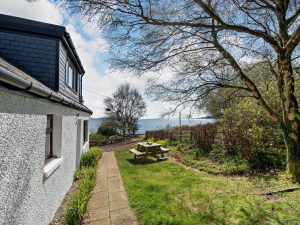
<point>97,139</point>
<point>107,129</point>
<point>151,139</point>
<point>266,159</point>
<point>164,143</point>
<point>113,137</point>
<point>90,158</point>
<point>86,176</point>
<point>250,135</point>
<point>198,153</point>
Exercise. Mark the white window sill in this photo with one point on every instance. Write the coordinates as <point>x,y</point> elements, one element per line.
<point>52,166</point>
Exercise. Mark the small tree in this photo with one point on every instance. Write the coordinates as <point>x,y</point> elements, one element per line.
<point>125,108</point>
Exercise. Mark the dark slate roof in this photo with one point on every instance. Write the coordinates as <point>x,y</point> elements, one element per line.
<point>45,29</point>
<point>54,96</point>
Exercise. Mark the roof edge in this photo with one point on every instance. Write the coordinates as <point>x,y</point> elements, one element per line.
<point>67,40</point>
<point>13,79</point>
<point>34,27</point>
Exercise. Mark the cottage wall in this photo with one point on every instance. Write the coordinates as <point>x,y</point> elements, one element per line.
<point>26,196</point>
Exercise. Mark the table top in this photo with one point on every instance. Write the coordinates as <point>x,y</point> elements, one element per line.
<point>149,144</point>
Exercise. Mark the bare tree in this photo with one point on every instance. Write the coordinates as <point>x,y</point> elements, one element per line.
<point>208,44</point>
<point>125,108</point>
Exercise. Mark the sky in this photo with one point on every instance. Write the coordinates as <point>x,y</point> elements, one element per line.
<point>99,80</point>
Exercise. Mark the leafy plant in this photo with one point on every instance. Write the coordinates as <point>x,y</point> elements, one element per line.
<point>97,139</point>
<point>90,158</point>
<point>198,153</point>
<point>151,139</point>
<point>86,176</point>
<point>78,205</point>
<point>164,143</point>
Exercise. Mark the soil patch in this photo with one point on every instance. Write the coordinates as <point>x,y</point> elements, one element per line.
<point>59,218</point>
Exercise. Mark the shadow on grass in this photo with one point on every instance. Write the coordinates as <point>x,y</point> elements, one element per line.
<point>142,161</point>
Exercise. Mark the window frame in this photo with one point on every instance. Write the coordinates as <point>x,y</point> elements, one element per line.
<point>85,131</point>
<point>73,85</point>
<point>50,132</point>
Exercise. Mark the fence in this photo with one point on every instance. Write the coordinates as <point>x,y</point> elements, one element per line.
<point>202,136</point>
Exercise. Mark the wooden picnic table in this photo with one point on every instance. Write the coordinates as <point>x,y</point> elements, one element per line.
<point>149,148</point>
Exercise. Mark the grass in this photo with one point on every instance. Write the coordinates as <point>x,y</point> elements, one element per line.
<point>164,193</point>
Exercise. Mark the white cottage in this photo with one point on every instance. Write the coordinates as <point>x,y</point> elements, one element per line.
<point>43,122</point>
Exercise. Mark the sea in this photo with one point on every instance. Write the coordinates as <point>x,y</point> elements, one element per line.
<point>154,124</point>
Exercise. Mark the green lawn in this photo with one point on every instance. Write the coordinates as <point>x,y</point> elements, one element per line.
<point>167,193</point>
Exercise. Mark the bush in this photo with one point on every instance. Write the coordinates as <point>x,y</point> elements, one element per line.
<point>164,143</point>
<point>113,137</point>
<point>266,159</point>
<point>107,128</point>
<point>86,177</point>
<point>97,139</point>
<point>90,158</point>
<point>198,153</point>
<point>151,139</point>
<point>250,135</point>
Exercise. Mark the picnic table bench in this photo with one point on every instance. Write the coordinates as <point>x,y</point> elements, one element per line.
<point>149,149</point>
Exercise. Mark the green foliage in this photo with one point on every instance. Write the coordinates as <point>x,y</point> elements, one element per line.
<point>193,157</point>
<point>77,174</point>
<point>113,137</point>
<point>198,153</point>
<point>164,143</point>
<point>97,139</point>
<point>249,134</point>
<point>78,205</point>
<point>86,177</point>
<point>151,139</point>
<point>107,128</point>
<point>90,158</point>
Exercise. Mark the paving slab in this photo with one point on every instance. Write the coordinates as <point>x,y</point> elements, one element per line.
<point>109,202</point>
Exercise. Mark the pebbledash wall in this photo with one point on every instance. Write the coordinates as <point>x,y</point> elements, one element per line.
<point>26,196</point>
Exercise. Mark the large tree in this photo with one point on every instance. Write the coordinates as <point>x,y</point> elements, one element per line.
<point>208,44</point>
<point>124,109</point>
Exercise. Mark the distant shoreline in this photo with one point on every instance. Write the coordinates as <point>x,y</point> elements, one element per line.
<point>156,123</point>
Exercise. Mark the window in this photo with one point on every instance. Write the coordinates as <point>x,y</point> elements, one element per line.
<point>75,81</point>
<point>49,138</point>
<point>71,76</point>
<point>85,130</point>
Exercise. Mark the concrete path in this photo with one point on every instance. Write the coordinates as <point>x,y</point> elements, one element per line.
<point>119,146</point>
<point>109,203</point>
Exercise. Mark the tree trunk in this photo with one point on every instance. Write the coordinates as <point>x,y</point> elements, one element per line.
<point>292,143</point>
<point>291,118</point>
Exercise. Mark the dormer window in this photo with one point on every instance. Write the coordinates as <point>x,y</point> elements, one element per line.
<point>71,76</point>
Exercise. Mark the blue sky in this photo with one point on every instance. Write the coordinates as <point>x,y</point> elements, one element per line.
<point>99,81</point>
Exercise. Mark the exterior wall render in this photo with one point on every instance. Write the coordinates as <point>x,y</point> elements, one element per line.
<point>26,196</point>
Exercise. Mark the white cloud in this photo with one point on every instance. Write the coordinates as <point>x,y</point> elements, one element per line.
<point>41,10</point>
<point>90,46</point>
